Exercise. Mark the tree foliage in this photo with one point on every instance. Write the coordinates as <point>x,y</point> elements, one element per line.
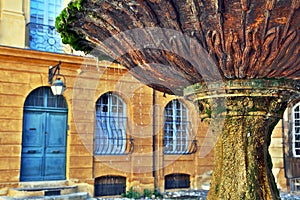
<point>69,34</point>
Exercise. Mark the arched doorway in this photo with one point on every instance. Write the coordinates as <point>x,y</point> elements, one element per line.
<point>44,136</point>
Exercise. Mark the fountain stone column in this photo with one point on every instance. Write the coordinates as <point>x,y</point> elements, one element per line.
<point>243,114</point>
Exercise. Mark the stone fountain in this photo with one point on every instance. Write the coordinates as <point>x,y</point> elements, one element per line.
<point>238,60</point>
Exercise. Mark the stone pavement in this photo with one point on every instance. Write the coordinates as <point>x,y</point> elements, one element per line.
<point>199,195</point>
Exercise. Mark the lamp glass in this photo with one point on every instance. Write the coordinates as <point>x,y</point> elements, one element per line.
<point>58,87</point>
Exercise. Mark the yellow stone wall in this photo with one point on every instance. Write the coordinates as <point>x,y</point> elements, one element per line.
<point>12,23</point>
<point>276,152</point>
<point>14,16</point>
<point>24,70</point>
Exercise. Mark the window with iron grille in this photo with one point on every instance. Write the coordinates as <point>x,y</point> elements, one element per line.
<point>42,33</point>
<point>110,133</point>
<point>110,185</point>
<point>177,181</point>
<point>296,130</point>
<point>176,127</point>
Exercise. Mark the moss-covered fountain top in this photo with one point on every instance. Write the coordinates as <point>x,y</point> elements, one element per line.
<point>243,39</point>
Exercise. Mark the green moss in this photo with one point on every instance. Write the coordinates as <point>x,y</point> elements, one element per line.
<point>217,189</point>
<point>253,109</point>
<point>208,112</point>
<point>251,187</point>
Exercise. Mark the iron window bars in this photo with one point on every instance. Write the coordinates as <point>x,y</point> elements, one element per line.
<point>43,37</point>
<point>111,122</point>
<point>296,130</point>
<point>176,130</point>
<point>110,138</point>
<point>110,185</point>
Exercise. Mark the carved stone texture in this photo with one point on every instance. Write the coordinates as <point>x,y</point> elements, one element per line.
<point>242,38</point>
<point>242,164</point>
<point>242,116</point>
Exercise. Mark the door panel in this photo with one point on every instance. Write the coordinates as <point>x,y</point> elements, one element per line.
<point>32,127</point>
<point>31,168</point>
<point>55,168</point>
<point>33,146</point>
<point>57,127</point>
<point>55,155</point>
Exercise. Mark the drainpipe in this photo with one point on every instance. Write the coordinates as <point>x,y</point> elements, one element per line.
<point>154,172</point>
<point>283,145</point>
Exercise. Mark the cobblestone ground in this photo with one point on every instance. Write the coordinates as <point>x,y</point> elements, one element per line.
<point>199,195</point>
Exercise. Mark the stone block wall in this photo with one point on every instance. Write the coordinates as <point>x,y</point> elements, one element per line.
<point>276,152</point>
<point>24,70</point>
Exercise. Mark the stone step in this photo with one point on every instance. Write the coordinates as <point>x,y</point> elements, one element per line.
<point>41,191</point>
<point>40,184</point>
<point>73,196</point>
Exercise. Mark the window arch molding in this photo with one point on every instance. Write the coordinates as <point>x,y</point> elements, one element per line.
<point>123,97</point>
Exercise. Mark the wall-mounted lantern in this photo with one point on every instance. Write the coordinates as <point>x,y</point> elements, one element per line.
<point>58,86</point>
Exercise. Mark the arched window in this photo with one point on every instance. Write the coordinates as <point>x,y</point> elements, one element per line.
<point>42,33</point>
<point>176,128</point>
<point>111,120</point>
<point>296,130</point>
<point>43,98</point>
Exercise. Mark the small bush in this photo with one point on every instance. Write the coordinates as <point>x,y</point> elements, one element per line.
<point>132,194</point>
<point>157,194</point>
<point>148,193</point>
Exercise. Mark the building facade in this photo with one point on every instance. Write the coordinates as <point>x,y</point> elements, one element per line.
<point>107,128</point>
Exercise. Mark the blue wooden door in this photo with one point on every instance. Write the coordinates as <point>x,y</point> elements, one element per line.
<point>44,141</point>
<point>55,146</point>
<point>33,146</point>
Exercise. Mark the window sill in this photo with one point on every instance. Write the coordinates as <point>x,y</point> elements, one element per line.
<point>179,157</point>
<point>112,158</point>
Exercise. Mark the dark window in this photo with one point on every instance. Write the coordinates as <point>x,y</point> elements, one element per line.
<point>177,181</point>
<point>110,185</point>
